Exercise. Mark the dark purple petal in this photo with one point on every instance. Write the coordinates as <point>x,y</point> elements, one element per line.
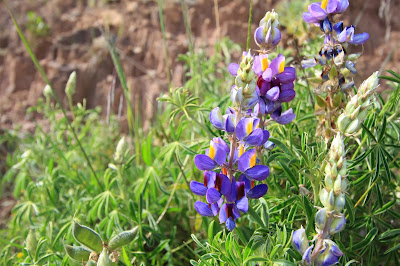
<point>255,138</point>
<point>198,188</point>
<point>338,27</point>
<point>359,38</point>
<point>286,77</point>
<point>287,86</point>
<point>257,191</point>
<point>247,183</point>
<point>265,86</point>
<point>273,94</point>
<point>203,208</point>
<point>209,178</point>
<point>243,204</point>
<point>226,185</point>
<point>257,172</point>
<point>287,95</point>
<point>203,162</point>
<point>309,18</point>
<point>220,154</point>
<point>213,195</point>
<point>215,207</point>
<point>230,224</point>
<point>244,160</point>
<point>266,136</point>
<point>285,117</point>
<point>216,119</point>
<point>229,124</point>
<point>316,11</point>
<point>233,69</point>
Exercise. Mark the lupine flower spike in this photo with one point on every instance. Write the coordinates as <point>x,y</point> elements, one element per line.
<point>233,172</point>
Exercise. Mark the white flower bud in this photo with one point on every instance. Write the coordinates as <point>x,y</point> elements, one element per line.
<point>71,84</point>
<point>340,202</point>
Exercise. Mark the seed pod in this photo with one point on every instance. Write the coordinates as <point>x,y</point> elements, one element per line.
<point>31,243</point>
<point>122,239</point>
<point>104,260</point>
<point>77,253</point>
<point>87,237</point>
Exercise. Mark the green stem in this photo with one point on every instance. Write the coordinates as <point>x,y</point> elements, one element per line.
<point>44,76</point>
<point>162,25</point>
<point>249,25</point>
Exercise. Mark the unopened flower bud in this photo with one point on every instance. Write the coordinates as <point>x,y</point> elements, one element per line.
<point>339,202</point>
<point>47,91</point>
<point>320,219</point>
<point>121,150</point>
<point>71,84</point>
<point>337,187</point>
<point>31,242</point>
<point>328,182</point>
<point>300,241</point>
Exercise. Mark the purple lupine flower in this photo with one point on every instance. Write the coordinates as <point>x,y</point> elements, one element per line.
<point>248,130</point>
<point>214,186</point>
<point>228,215</point>
<point>317,12</point>
<point>214,156</point>
<point>268,34</point>
<point>253,191</point>
<point>300,240</point>
<point>347,35</point>
<point>223,122</point>
<point>275,81</point>
<point>247,165</point>
<point>283,118</point>
<point>330,254</point>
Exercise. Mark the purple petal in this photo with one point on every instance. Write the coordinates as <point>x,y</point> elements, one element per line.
<point>241,128</point>
<point>247,183</point>
<point>259,36</point>
<point>243,204</point>
<point>342,6</point>
<point>307,253</point>
<point>267,74</point>
<point>287,86</point>
<point>359,38</point>
<point>222,213</point>
<point>342,37</point>
<point>256,138</point>
<point>198,188</point>
<point>233,69</point>
<point>273,94</point>
<point>309,18</point>
<point>222,144</point>
<point>215,207</point>
<point>284,118</point>
<point>287,95</point>
<point>203,209</point>
<point>230,224</point>
<point>286,76</point>
<point>220,154</point>
<point>338,27</point>
<point>245,160</point>
<point>331,6</point>
<point>213,195</point>
<point>225,184</point>
<point>216,119</point>
<point>276,36</point>
<point>278,65</point>
<point>203,162</point>
<point>316,11</point>
<point>258,191</point>
<point>265,86</point>
<point>257,172</point>
<point>229,123</point>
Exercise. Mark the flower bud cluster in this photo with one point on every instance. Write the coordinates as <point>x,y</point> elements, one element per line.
<point>350,121</point>
<point>267,35</point>
<point>329,220</point>
<point>232,170</point>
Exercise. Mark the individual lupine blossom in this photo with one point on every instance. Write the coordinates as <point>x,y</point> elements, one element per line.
<point>350,121</point>
<point>268,35</point>
<point>319,12</point>
<point>329,220</point>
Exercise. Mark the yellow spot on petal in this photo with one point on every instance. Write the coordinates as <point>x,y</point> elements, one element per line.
<point>211,153</point>
<point>264,63</point>
<point>282,66</point>
<point>241,150</point>
<point>253,160</point>
<point>324,4</point>
<point>249,127</point>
